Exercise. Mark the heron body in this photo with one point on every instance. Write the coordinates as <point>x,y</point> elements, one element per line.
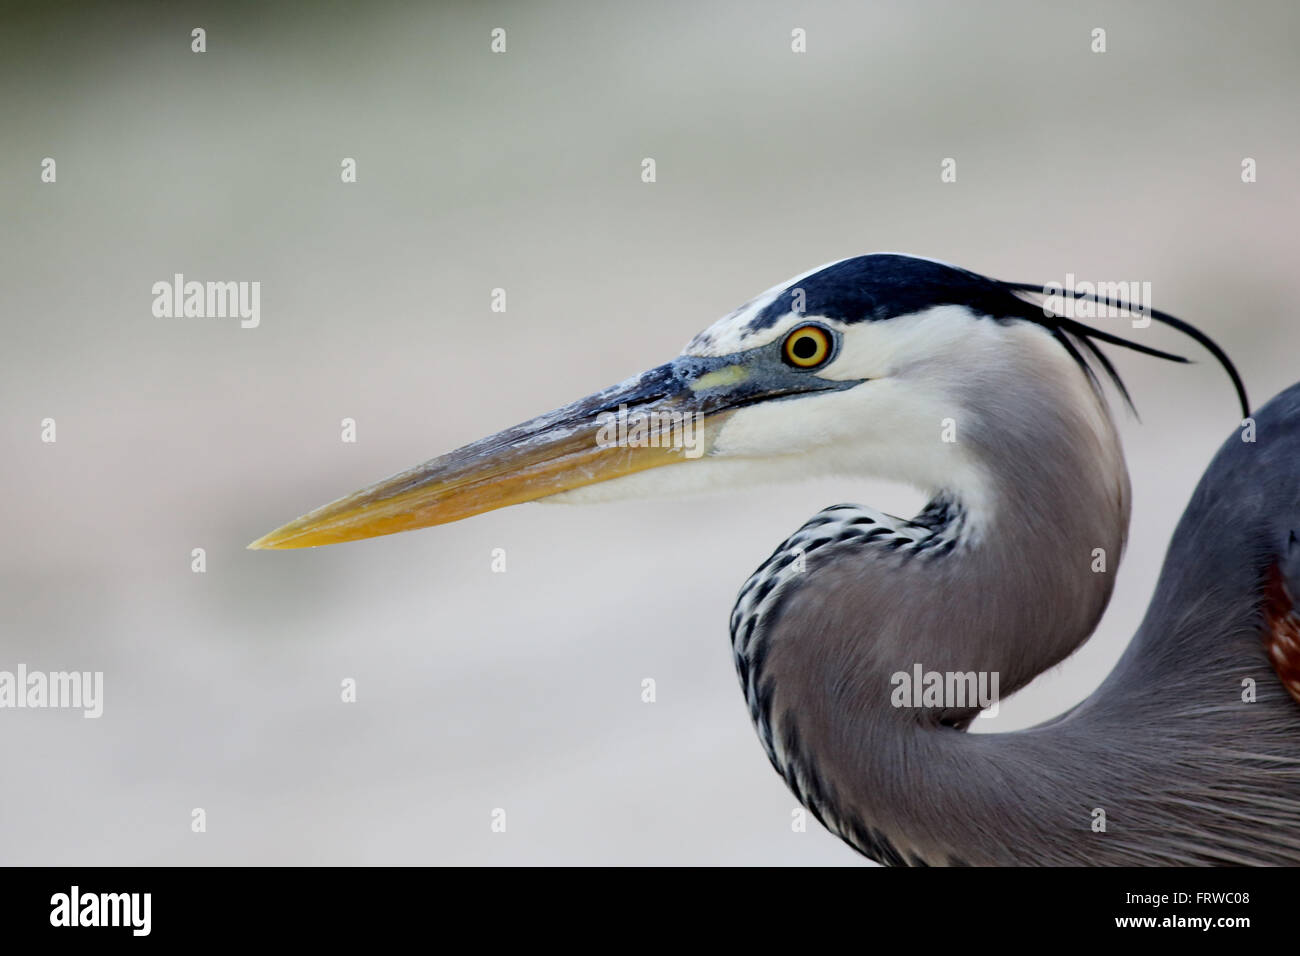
<point>904,368</point>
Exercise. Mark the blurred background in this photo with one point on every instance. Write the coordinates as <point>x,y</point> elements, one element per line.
<point>522,170</point>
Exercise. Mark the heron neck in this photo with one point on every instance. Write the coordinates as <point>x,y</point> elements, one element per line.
<point>1003,602</point>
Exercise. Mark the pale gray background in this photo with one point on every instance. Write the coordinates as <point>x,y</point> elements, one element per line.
<point>522,690</point>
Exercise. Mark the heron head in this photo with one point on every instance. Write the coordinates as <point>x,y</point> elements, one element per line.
<point>856,367</point>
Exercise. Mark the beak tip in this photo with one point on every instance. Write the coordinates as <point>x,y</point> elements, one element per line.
<point>267,542</point>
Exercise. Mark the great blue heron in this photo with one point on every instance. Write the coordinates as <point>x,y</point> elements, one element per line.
<point>909,369</point>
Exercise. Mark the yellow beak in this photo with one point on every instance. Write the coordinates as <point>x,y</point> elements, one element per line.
<point>577,445</point>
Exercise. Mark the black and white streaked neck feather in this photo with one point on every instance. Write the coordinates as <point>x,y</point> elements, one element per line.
<point>937,531</point>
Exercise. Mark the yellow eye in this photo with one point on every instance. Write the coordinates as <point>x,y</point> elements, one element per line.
<point>807,346</point>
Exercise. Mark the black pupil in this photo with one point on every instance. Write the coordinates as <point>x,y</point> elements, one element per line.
<point>804,347</point>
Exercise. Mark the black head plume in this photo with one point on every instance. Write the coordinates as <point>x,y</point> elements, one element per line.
<point>1064,329</point>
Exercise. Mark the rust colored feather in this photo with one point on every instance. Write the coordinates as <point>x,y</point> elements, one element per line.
<point>1282,632</point>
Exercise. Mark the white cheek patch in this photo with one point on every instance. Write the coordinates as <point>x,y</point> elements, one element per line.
<point>885,348</point>
<point>888,428</point>
<point>783,427</point>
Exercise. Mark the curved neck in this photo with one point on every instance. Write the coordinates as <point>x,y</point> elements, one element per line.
<point>1000,593</point>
